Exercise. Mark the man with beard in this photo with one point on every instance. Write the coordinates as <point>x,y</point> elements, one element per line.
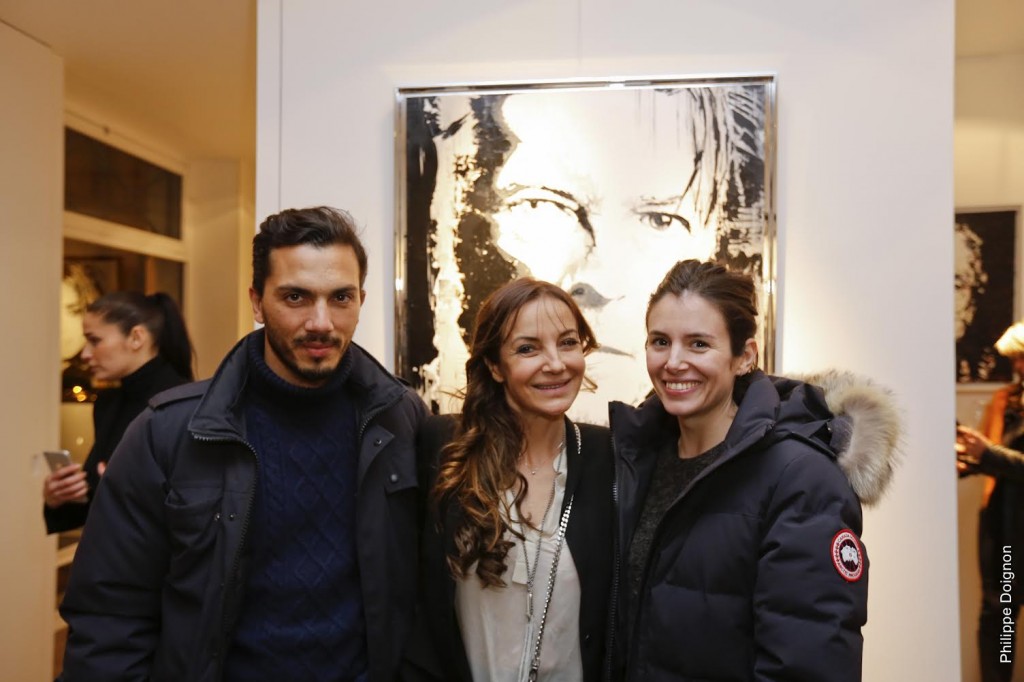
<point>261,524</point>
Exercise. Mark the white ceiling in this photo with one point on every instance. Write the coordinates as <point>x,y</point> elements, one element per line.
<point>188,67</point>
<point>185,68</point>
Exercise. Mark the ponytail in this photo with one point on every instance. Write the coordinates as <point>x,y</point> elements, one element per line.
<point>174,343</point>
<point>160,315</point>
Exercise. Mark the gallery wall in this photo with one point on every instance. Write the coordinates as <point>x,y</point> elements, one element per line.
<point>988,150</point>
<point>219,223</point>
<point>864,199</point>
<point>988,141</point>
<point>31,94</point>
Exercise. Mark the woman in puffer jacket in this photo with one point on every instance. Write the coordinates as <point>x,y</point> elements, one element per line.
<point>738,520</point>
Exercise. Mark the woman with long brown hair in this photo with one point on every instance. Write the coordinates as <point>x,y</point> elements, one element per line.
<point>517,552</point>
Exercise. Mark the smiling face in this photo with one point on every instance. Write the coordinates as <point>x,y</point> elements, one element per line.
<point>690,361</point>
<point>541,362</point>
<point>310,306</point>
<point>613,217</point>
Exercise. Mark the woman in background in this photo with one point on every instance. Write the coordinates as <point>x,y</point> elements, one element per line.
<point>740,555</point>
<point>517,559</point>
<point>137,340</point>
<point>996,450</point>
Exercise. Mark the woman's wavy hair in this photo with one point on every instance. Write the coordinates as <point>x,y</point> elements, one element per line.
<point>480,463</point>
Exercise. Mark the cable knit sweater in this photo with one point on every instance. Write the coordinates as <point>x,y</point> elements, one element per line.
<point>302,594</point>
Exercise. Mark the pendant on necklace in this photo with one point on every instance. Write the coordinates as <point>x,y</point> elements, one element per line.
<point>529,605</point>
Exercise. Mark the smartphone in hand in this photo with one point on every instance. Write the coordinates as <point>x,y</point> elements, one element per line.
<point>57,458</point>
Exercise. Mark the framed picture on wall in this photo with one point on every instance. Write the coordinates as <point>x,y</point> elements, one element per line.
<point>84,280</point>
<point>599,187</point>
<point>985,248</point>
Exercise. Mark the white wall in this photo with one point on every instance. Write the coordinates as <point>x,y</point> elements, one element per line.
<point>864,191</point>
<point>988,149</point>
<point>989,133</point>
<point>31,199</point>
<point>219,233</point>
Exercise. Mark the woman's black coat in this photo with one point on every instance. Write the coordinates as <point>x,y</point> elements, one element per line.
<point>112,412</point>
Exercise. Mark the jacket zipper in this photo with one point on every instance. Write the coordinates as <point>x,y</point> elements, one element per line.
<point>222,636</point>
<point>634,625</point>
<point>657,536</point>
<point>370,415</point>
<point>248,513</point>
<point>613,609</point>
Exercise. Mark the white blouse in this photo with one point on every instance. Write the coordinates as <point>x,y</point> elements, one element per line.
<point>498,638</point>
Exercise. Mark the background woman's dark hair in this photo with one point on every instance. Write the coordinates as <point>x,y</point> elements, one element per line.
<point>480,464</point>
<point>319,226</point>
<point>732,293</point>
<point>159,314</point>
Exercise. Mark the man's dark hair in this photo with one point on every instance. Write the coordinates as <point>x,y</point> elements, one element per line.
<point>319,226</point>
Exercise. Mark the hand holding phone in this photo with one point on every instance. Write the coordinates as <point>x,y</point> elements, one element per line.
<point>57,458</point>
<point>66,482</point>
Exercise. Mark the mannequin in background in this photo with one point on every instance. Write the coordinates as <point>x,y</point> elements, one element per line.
<point>137,340</point>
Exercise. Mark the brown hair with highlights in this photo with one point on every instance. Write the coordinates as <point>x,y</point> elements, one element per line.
<point>480,463</point>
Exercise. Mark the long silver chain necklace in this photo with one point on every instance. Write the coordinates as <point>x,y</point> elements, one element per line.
<point>535,660</point>
<point>530,575</point>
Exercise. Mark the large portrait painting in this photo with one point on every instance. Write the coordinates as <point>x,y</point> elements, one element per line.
<point>598,187</point>
<point>985,248</point>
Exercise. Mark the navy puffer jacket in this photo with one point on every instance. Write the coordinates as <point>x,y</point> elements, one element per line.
<point>756,571</point>
<point>158,580</point>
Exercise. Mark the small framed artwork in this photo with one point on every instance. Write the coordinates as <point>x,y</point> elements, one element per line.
<point>984,285</point>
<point>85,280</point>
<point>598,187</point>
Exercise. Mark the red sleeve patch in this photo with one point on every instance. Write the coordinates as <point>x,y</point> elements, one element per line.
<point>847,556</point>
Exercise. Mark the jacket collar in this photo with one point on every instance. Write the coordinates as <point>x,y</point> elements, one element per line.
<point>574,453</point>
<point>844,415</point>
<point>647,427</point>
<point>139,382</point>
<point>219,415</point>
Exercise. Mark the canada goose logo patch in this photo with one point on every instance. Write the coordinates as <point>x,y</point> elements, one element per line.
<point>847,556</point>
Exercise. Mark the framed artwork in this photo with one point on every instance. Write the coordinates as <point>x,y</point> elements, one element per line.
<point>84,280</point>
<point>985,248</point>
<point>599,187</point>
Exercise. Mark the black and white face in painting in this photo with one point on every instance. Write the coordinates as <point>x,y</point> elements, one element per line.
<point>597,191</point>
<point>604,222</point>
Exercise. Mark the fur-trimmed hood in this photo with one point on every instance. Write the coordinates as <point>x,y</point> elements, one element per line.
<point>867,433</point>
<point>849,415</point>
